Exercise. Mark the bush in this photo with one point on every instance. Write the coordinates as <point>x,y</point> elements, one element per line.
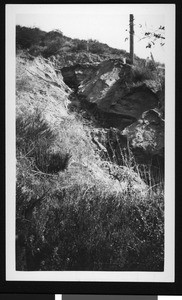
<point>36,50</point>
<point>96,47</point>
<point>54,34</point>
<point>81,45</point>
<point>52,47</point>
<point>34,141</point>
<point>27,37</point>
<point>143,73</point>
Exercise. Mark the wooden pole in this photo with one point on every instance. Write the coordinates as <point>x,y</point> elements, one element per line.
<point>131,39</point>
<point>153,60</point>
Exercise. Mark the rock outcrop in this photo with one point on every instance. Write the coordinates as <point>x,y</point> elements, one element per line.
<point>147,133</point>
<point>40,87</point>
<point>76,74</point>
<point>112,93</point>
<point>69,59</point>
<point>110,90</point>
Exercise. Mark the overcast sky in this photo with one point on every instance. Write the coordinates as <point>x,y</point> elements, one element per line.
<point>106,23</point>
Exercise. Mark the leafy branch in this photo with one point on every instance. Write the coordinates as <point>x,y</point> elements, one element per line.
<point>152,36</point>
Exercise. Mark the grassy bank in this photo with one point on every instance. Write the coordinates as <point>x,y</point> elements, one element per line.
<point>78,212</point>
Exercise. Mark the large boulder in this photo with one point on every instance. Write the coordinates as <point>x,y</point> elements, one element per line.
<point>147,133</point>
<point>112,88</point>
<point>96,87</point>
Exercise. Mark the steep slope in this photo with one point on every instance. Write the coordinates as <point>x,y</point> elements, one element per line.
<point>73,201</point>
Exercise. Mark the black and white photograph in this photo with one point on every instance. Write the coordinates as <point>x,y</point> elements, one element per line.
<point>92,125</point>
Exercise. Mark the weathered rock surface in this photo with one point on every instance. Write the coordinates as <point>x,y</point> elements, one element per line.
<point>68,59</point>
<point>39,87</point>
<point>112,89</point>
<point>74,75</point>
<point>147,133</point>
<point>96,87</point>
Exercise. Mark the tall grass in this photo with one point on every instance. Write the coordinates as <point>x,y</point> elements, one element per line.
<point>141,73</point>
<point>87,213</point>
<point>34,140</point>
<point>92,230</point>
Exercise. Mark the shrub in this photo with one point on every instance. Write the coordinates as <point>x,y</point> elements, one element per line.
<point>81,45</point>
<point>52,47</point>
<point>143,73</point>
<point>96,47</point>
<point>36,50</point>
<point>26,37</point>
<point>34,140</point>
<point>54,34</point>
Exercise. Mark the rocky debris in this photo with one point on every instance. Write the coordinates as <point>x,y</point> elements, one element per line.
<point>76,74</point>
<point>67,59</point>
<point>147,133</point>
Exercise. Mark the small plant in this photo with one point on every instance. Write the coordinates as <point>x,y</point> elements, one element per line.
<point>52,47</point>
<point>143,73</point>
<point>34,139</point>
<point>30,130</point>
<point>96,47</point>
<point>81,45</point>
<point>36,50</point>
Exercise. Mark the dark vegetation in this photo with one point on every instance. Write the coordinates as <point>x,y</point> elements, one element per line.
<point>77,209</point>
<point>39,42</point>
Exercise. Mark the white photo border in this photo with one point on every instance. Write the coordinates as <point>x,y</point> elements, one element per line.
<point>83,276</point>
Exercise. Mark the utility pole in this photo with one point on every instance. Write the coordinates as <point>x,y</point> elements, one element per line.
<point>151,55</point>
<point>131,38</point>
<point>87,46</point>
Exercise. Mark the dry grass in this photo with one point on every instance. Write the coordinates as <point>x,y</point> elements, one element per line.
<point>67,217</point>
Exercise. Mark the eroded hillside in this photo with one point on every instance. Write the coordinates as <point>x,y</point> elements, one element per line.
<point>80,188</point>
